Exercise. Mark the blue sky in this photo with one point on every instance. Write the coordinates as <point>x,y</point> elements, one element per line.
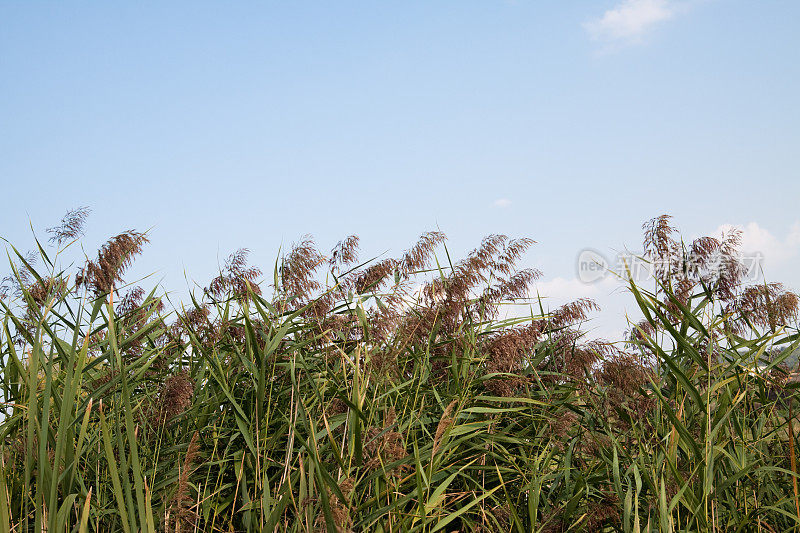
<point>227,125</point>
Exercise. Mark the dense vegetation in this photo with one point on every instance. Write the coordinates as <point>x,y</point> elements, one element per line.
<point>395,395</point>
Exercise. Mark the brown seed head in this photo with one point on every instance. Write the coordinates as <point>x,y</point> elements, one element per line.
<point>71,226</point>
<point>113,258</point>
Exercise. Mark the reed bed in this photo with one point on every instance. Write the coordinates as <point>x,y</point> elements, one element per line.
<point>393,395</point>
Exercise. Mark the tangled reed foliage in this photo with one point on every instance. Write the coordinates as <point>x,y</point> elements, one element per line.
<point>395,394</point>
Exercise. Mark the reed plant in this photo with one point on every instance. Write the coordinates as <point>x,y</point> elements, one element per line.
<point>389,395</point>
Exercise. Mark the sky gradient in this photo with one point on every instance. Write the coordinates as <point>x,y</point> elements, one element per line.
<point>219,126</point>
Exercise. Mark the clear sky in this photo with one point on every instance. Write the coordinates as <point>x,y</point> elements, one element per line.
<point>234,124</point>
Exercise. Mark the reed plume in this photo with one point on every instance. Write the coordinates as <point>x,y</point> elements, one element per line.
<point>71,226</point>
<point>237,279</point>
<point>769,305</point>
<point>298,270</point>
<point>345,253</point>
<point>174,397</point>
<point>113,258</point>
<point>182,517</point>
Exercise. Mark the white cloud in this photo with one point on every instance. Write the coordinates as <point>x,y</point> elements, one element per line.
<point>501,203</point>
<point>630,21</point>
<point>559,290</point>
<point>776,251</point>
<point>610,294</point>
